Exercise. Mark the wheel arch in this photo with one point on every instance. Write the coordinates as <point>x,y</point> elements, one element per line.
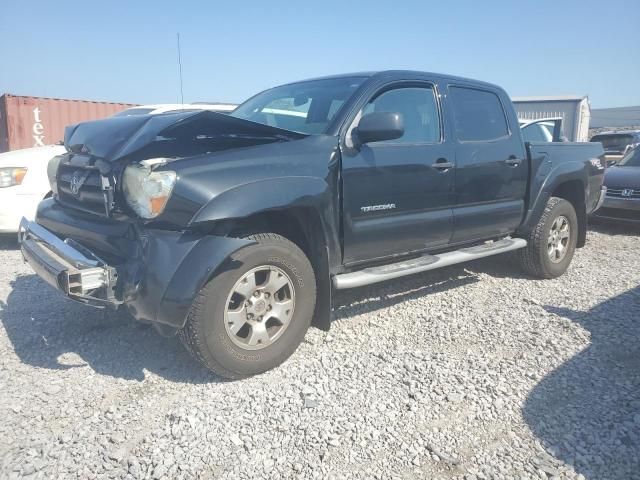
<point>569,182</point>
<point>299,208</point>
<point>304,227</point>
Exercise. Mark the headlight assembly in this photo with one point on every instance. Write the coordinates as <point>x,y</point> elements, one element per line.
<point>52,171</point>
<point>147,192</point>
<point>10,176</point>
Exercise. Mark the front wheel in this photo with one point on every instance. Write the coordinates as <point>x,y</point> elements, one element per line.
<point>253,315</point>
<point>552,243</point>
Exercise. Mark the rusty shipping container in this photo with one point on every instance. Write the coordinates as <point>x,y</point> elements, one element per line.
<point>33,121</point>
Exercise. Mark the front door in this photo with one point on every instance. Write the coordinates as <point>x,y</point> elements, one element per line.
<point>398,194</point>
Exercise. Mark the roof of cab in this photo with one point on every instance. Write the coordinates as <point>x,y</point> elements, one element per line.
<point>402,75</point>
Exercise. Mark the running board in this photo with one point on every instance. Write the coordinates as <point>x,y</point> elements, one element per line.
<point>425,263</point>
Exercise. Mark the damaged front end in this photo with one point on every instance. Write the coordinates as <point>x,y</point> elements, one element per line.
<point>154,273</point>
<point>101,239</point>
<point>91,176</point>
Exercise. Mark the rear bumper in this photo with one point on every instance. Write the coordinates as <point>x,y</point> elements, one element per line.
<point>155,274</point>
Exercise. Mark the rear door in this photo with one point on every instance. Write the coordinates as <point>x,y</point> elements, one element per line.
<point>491,164</point>
<point>396,198</point>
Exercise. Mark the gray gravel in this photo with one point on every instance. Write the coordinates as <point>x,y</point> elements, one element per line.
<point>470,372</point>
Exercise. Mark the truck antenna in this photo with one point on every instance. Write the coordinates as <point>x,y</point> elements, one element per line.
<point>180,69</point>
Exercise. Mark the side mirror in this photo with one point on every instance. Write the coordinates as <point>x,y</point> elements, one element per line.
<point>379,126</point>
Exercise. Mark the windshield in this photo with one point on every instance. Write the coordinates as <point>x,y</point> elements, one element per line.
<point>613,143</point>
<point>306,107</point>
<point>631,159</point>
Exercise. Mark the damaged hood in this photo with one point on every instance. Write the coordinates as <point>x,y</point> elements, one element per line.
<point>172,134</point>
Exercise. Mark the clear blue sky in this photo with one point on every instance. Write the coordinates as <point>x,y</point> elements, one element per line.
<point>126,51</point>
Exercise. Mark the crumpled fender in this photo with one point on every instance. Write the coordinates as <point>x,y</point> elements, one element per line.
<point>196,269</point>
<point>176,267</point>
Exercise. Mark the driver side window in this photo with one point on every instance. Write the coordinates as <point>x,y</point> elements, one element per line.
<point>419,111</point>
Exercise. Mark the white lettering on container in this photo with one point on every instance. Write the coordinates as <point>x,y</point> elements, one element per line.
<point>37,129</point>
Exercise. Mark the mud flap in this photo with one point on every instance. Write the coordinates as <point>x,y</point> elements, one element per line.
<point>323,310</point>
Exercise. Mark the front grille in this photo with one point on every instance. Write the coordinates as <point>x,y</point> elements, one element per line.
<point>89,196</point>
<point>623,192</point>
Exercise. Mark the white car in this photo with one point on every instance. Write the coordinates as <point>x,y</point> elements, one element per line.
<point>176,107</point>
<point>23,183</point>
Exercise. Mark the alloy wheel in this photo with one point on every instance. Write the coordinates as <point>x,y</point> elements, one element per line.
<point>558,241</point>
<point>259,308</point>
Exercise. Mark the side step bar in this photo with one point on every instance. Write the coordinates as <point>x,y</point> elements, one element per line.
<point>423,263</point>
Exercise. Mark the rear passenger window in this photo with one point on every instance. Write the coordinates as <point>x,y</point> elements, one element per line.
<point>478,115</point>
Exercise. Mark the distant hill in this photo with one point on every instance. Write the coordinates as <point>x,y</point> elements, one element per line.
<point>615,117</point>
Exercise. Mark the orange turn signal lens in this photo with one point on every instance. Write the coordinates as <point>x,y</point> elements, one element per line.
<point>19,174</point>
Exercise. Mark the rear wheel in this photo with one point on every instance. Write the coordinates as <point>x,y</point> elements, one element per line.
<point>552,243</point>
<point>252,316</point>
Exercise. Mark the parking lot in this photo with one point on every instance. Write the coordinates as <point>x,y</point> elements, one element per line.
<point>470,372</point>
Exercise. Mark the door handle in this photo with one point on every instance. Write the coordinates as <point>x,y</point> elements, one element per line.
<point>513,161</point>
<point>442,165</point>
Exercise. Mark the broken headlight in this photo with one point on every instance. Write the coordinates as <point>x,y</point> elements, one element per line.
<point>146,191</point>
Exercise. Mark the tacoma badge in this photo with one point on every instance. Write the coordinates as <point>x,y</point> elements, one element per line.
<point>375,208</point>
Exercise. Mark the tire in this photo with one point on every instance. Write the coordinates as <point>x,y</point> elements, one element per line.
<point>211,323</point>
<point>536,258</point>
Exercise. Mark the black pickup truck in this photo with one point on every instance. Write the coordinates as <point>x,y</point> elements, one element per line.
<point>233,230</point>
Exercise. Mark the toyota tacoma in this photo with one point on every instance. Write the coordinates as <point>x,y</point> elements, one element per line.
<point>232,231</point>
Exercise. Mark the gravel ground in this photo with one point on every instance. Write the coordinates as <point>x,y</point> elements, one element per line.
<point>469,372</point>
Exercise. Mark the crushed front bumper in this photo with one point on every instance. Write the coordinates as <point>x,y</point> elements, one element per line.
<point>68,266</point>
<point>154,273</point>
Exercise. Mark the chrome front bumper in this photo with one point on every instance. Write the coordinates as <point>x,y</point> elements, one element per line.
<point>68,266</point>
